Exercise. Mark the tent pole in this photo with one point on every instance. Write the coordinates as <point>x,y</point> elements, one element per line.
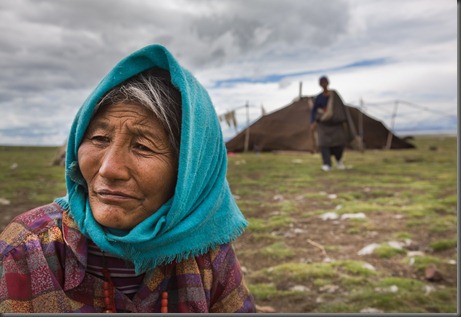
<point>247,131</point>
<point>300,90</point>
<point>389,135</point>
<point>361,125</point>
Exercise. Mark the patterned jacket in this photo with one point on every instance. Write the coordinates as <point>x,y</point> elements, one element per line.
<point>43,269</point>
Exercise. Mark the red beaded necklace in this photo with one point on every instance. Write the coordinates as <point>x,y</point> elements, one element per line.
<point>109,300</point>
<point>164,308</point>
<point>109,292</point>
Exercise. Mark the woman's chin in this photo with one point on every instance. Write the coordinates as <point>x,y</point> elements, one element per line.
<point>115,218</point>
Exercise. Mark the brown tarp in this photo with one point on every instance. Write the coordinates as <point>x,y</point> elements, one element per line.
<point>288,129</point>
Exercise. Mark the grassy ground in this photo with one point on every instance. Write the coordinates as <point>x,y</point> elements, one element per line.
<point>297,262</point>
<point>294,260</point>
<point>27,179</point>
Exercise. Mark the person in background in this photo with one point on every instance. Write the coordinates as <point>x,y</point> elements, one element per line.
<point>328,119</point>
<point>148,219</point>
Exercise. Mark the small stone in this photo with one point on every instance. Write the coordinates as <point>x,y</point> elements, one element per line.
<point>368,249</point>
<point>428,289</point>
<point>432,274</point>
<point>412,246</point>
<point>371,310</point>
<point>359,215</point>
<point>368,266</point>
<point>329,288</point>
<point>300,288</point>
<point>4,201</point>
<point>372,233</point>
<point>393,288</point>
<point>395,244</point>
<point>329,215</point>
<point>299,197</point>
<point>415,253</point>
<point>265,309</point>
<point>332,196</point>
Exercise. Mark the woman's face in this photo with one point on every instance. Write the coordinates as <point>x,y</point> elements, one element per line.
<point>128,164</point>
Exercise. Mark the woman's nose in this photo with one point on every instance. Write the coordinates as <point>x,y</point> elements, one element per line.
<point>114,164</point>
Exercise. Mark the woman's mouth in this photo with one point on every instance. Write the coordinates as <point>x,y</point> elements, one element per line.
<point>113,195</point>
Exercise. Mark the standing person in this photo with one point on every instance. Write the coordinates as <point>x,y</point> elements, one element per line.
<point>328,118</point>
<point>148,219</point>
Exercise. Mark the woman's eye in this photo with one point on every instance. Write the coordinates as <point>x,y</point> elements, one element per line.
<point>142,147</point>
<point>100,139</point>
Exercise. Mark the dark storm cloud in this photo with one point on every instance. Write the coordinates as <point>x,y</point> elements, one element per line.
<point>48,45</point>
<point>53,52</point>
<point>70,44</point>
<point>290,22</point>
<point>251,30</point>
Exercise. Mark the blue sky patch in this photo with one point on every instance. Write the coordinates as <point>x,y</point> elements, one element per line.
<point>274,78</point>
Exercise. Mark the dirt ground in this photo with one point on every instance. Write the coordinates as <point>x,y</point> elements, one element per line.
<point>322,233</point>
<point>308,234</point>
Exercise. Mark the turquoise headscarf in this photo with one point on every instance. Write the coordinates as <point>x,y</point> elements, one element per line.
<point>202,214</point>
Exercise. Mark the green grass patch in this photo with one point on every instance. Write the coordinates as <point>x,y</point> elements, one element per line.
<point>353,267</point>
<point>403,235</point>
<point>278,250</point>
<point>404,295</point>
<point>442,245</point>
<point>263,291</point>
<point>442,224</point>
<point>269,291</point>
<point>299,273</point>
<point>421,262</point>
<point>255,236</point>
<point>316,274</point>
<point>288,206</point>
<point>267,225</point>
<point>27,177</point>
<point>404,284</point>
<point>386,252</point>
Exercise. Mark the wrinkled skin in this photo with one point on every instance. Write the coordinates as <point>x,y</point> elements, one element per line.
<point>128,164</point>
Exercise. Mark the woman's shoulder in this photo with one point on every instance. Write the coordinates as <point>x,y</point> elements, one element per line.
<point>216,257</point>
<point>30,225</point>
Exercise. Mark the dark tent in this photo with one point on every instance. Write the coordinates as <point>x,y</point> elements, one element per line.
<point>287,129</point>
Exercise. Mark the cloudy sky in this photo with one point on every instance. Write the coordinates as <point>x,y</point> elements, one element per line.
<point>54,52</point>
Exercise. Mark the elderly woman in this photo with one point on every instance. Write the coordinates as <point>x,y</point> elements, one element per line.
<point>148,218</point>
